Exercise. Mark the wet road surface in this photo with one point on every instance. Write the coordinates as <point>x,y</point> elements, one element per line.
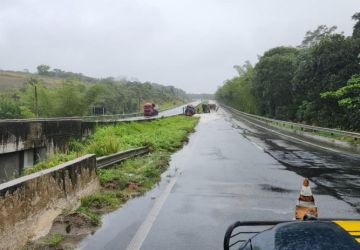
<point>230,171</point>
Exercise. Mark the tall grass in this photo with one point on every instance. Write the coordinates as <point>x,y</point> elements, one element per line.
<point>161,134</point>
<point>165,134</point>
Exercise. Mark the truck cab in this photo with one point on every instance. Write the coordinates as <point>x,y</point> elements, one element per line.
<point>149,109</point>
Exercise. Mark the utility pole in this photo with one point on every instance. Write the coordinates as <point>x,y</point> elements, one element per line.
<point>33,82</point>
<point>36,102</point>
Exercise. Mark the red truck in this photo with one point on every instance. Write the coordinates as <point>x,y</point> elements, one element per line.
<point>149,109</point>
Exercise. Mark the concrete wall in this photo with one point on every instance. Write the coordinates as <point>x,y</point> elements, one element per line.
<point>29,204</point>
<point>23,142</point>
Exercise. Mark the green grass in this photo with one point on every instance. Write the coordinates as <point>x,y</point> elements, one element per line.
<point>94,216</point>
<point>100,200</point>
<point>141,172</point>
<point>54,160</point>
<point>336,136</point>
<point>166,134</point>
<point>54,239</point>
<point>161,134</point>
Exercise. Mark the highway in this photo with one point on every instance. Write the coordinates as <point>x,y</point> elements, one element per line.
<point>105,118</point>
<point>169,112</point>
<point>229,171</point>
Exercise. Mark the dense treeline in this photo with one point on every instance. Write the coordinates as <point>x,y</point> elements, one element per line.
<point>76,97</point>
<point>317,82</point>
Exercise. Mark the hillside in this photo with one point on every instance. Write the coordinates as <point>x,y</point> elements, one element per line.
<point>53,93</point>
<point>11,80</point>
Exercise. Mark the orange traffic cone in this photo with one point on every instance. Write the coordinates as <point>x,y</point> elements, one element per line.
<point>306,203</point>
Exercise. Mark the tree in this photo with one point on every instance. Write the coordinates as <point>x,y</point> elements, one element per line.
<point>68,99</point>
<point>36,100</point>
<point>348,98</point>
<point>237,92</point>
<point>43,69</point>
<point>307,84</point>
<point>356,31</point>
<point>272,82</point>
<point>314,37</point>
<point>9,108</point>
<point>326,66</point>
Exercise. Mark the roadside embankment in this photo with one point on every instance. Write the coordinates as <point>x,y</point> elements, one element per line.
<point>329,139</point>
<point>29,204</point>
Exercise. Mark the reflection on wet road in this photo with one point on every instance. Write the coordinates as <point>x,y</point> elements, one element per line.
<point>335,174</point>
<point>230,171</point>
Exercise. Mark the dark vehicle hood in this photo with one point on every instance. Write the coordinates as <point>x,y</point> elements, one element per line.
<point>311,235</point>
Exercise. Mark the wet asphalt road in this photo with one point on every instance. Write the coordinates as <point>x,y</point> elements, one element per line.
<point>230,171</point>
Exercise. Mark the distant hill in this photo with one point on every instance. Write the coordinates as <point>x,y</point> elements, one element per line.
<point>54,93</point>
<point>11,80</point>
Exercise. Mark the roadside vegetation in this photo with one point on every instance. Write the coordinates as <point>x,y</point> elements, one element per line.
<point>316,83</point>
<point>161,135</point>
<point>121,182</point>
<point>55,93</point>
<point>54,239</point>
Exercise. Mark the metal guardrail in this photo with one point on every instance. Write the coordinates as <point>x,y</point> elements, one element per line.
<point>77,118</point>
<point>293,125</point>
<point>109,160</point>
<point>93,118</point>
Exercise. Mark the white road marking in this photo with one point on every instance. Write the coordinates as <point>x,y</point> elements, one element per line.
<point>256,145</point>
<point>145,227</point>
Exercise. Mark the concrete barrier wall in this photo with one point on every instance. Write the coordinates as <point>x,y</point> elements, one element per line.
<point>29,204</point>
<point>23,143</point>
<point>22,135</point>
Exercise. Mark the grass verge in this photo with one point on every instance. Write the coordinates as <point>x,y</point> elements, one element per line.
<point>163,134</point>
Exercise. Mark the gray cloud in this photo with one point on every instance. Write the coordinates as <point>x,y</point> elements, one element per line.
<point>189,44</point>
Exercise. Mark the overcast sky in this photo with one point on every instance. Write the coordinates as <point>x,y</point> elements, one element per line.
<point>191,44</point>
